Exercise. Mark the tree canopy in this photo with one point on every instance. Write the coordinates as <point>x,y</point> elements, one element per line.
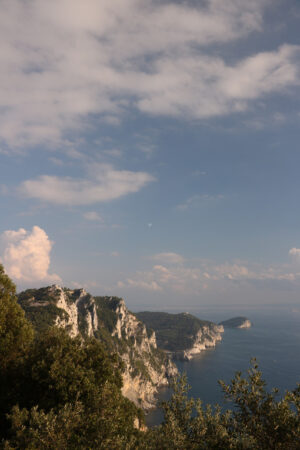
<point>16,332</point>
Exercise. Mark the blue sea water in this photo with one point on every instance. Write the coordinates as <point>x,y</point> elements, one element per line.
<point>274,340</point>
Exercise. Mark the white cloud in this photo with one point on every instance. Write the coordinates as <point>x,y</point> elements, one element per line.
<point>231,271</point>
<point>67,60</point>
<point>197,200</point>
<point>294,252</point>
<point>26,255</point>
<point>192,277</point>
<point>93,216</point>
<point>140,284</point>
<point>103,184</point>
<point>168,257</point>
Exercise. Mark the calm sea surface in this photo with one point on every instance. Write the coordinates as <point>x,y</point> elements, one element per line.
<point>274,340</point>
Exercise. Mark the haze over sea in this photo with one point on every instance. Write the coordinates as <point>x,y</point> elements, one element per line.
<point>274,340</point>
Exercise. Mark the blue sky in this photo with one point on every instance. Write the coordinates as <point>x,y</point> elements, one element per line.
<point>150,149</point>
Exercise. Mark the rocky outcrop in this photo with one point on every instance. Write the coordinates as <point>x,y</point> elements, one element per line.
<point>79,308</point>
<point>182,335</point>
<point>236,322</point>
<point>146,367</point>
<point>206,337</point>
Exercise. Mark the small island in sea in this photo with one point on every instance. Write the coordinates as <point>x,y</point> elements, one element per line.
<point>236,322</point>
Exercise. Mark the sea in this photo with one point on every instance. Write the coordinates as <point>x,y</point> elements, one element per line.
<point>273,339</point>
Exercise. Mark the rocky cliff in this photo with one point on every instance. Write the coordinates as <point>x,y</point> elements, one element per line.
<point>206,337</point>
<point>182,335</point>
<point>106,318</point>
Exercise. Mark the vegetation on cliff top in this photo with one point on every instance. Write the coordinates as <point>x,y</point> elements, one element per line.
<point>235,322</point>
<point>174,332</point>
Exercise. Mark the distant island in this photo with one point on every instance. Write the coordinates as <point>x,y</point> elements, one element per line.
<point>236,322</point>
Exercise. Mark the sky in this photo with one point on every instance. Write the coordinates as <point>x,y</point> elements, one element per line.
<point>149,149</point>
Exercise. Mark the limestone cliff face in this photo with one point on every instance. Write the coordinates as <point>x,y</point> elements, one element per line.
<point>153,367</point>
<point>78,309</point>
<point>206,337</point>
<point>107,319</point>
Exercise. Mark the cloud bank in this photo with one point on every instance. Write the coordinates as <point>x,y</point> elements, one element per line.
<point>26,255</point>
<point>183,276</point>
<point>66,62</point>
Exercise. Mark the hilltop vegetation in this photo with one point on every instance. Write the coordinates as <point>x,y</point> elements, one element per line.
<point>236,322</point>
<point>174,332</point>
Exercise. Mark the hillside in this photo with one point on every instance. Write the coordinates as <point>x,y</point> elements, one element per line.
<point>182,334</point>
<point>106,318</point>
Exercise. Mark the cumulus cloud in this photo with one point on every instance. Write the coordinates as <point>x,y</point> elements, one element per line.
<point>294,252</point>
<point>65,61</point>
<point>26,255</point>
<point>103,184</point>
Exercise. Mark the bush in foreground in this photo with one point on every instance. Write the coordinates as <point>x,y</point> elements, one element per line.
<point>259,420</point>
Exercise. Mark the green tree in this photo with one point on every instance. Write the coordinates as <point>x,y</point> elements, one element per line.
<point>16,333</point>
<point>74,385</point>
<point>259,419</point>
<point>16,336</point>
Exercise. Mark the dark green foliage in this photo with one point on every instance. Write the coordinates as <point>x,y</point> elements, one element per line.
<point>75,427</point>
<point>40,307</point>
<point>258,421</point>
<point>42,317</point>
<point>16,333</point>
<point>174,332</point>
<point>60,370</point>
<point>235,322</point>
<point>64,382</point>
<point>38,295</point>
<point>105,310</point>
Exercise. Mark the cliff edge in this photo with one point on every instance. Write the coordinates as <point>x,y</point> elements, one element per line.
<point>182,335</point>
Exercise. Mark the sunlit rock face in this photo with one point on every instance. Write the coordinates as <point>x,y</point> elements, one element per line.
<point>146,368</point>
<point>206,337</point>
